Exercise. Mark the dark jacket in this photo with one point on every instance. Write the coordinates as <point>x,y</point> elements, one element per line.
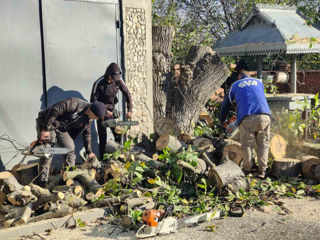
<point>107,93</point>
<point>68,116</point>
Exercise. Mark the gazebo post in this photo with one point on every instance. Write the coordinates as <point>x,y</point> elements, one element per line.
<point>259,70</point>
<point>294,74</point>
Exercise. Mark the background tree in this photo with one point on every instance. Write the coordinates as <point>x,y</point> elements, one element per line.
<point>204,22</point>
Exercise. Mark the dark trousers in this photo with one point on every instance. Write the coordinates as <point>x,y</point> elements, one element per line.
<point>102,131</point>
<point>63,139</point>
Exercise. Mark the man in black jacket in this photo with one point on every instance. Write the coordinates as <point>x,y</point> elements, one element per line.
<point>62,123</point>
<point>105,90</point>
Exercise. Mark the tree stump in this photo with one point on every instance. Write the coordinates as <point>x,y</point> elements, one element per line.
<point>278,146</point>
<point>169,141</point>
<point>167,126</point>
<point>25,173</point>
<point>317,173</point>
<point>286,167</point>
<point>309,164</point>
<point>227,173</point>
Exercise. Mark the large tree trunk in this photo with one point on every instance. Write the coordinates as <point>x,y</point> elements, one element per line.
<point>162,37</point>
<point>198,80</point>
<point>182,97</point>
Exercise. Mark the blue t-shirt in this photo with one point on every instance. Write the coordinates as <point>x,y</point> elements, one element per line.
<point>248,94</point>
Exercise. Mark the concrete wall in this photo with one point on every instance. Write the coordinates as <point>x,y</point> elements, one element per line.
<point>137,37</point>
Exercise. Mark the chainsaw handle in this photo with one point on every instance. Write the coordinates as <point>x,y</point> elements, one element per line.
<point>145,231</point>
<point>165,210</point>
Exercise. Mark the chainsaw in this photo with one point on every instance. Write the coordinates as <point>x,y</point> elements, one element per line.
<point>43,149</point>
<point>115,123</point>
<point>231,127</point>
<point>157,222</point>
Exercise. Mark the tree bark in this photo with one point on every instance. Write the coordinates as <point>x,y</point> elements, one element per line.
<point>196,83</point>
<point>167,126</point>
<point>64,211</point>
<point>169,141</point>
<point>309,164</point>
<point>116,200</point>
<point>25,173</point>
<point>162,37</point>
<point>9,183</point>
<point>286,167</point>
<point>231,149</point>
<point>227,173</point>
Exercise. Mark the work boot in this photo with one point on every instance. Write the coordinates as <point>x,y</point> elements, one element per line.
<point>261,175</point>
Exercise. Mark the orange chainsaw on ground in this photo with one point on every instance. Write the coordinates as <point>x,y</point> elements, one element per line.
<point>157,222</point>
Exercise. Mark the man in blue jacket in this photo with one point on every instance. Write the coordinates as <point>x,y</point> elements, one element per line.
<point>253,119</point>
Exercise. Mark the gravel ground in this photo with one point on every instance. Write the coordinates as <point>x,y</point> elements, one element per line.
<point>302,223</point>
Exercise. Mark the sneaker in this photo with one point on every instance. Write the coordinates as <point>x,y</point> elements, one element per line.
<point>247,173</point>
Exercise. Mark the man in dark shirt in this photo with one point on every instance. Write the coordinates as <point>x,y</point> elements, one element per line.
<point>62,123</point>
<point>105,90</point>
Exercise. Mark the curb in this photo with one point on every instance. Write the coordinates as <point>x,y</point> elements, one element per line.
<point>55,223</point>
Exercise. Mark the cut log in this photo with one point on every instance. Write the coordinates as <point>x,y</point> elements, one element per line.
<point>131,202</point>
<point>189,166</point>
<point>169,141</point>
<point>113,201</point>
<point>204,116</point>
<point>54,181</point>
<point>85,180</point>
<point>112,146</point>
<point>9,183</point>
<point>2,197</point>
<point>63,211</point>
<point>21,197</point>
<point>39,191</point>
<point>286,167</point>
<point>186,138</point>
<point>227,173</point>
<point>149,161</point>
<point>26,214</point>
<point>25,173</point>
<point>167,126</point>
<point>204,155</point>
<point>201,142</point>
<point>230,149</point>
<point>55,197</point>
<point>73,201</point>
<point>309,164</point>
<point>278,146</point>
<point>91,163</point>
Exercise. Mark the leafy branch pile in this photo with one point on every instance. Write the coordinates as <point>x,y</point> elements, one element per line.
<point>192,193</point>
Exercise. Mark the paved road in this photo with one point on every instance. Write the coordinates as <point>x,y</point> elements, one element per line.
<point>302,224</point>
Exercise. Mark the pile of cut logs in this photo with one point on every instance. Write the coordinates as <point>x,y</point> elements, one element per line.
<point>219,158</point>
